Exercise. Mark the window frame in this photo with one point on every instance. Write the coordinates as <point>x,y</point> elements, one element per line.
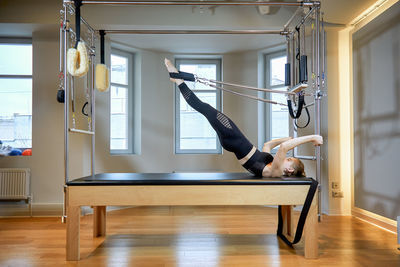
<point>193,60</point>
<point>267,82</point>
<point>21,41</point>
<point>130,88</point>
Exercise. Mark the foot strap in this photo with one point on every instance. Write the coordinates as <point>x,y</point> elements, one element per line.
<point>183,76</point>
<point>302,218</point>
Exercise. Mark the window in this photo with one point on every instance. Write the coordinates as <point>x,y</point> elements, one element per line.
<point>193,133</point>
<point>121,94</point>
<point>277,115</point>
<point>16,94</point>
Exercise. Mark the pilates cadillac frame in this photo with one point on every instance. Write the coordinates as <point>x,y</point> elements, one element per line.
<point>73,198</point>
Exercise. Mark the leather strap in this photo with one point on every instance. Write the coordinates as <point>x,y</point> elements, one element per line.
<point>302,218</point>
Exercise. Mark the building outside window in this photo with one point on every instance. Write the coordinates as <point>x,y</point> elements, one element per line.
<point>193,133</point>
<point>16,94</point>
<point>277,115</point>
<point>121,104</point>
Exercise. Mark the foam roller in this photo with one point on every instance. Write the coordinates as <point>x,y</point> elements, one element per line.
<point>77,60</point>
<point>102,78</point>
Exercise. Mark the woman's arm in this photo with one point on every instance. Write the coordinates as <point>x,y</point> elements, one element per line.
<point>268,146</point>
<point>289,145</point>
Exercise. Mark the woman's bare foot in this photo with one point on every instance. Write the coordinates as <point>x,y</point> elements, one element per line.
<point>171,68</point>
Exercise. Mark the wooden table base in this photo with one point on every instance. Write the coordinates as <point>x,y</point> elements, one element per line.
<point>189,195</point>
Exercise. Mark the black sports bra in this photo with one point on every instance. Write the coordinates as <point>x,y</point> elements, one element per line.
<point>257,162</point>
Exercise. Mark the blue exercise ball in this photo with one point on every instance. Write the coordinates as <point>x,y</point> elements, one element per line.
<point>15,152</point>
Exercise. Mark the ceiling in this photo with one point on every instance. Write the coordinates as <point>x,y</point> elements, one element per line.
<point>336,12</point>
<point>18,14</point>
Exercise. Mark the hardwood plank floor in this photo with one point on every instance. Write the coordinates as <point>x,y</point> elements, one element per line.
<point>193,236</point>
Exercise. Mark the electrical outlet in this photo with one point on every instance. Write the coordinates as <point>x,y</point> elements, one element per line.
<point>335,185</point>
<point>337,194</point>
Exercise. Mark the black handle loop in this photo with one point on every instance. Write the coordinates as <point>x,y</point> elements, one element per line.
<point>299,105</point>
<point>308,119</point>
<point>78,4</point>
<point>83,109</point>
<point>102,34</point>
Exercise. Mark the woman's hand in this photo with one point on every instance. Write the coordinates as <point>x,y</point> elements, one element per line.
<point>317,140</point>
<point>273,143</point>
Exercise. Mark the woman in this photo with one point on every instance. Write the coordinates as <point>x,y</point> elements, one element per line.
<point>261,164</point>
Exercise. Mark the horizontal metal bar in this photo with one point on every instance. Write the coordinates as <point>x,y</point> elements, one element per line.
<point>15,76</point>
<point>73,130</point>
<point>298,87</point>
<point>305,157</point>
<point>71,6</point>
<point>195,3</point>
<point>196,32</point>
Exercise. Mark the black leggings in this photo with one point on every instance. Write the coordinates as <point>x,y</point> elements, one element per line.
<point>230,137</point>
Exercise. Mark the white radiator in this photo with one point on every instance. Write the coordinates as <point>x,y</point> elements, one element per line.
<point>15,184</point>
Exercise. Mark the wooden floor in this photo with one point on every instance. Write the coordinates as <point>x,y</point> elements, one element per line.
<point>193,236</point>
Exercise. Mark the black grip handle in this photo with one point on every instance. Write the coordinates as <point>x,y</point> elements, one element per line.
<point>60,96</point>
<point>287,74</point>
<point>303,68</point>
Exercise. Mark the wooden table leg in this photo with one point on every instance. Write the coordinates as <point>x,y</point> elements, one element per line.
<point>73,225</point>
<point>287,219</point>
<point>99,221</point>
<point>311,232</point>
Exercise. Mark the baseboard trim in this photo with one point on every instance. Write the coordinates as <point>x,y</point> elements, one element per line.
<point>38,210</point>
<point>13,209</point>
<point>375,219</point>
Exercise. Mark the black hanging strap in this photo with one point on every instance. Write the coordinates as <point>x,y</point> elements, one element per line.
<point>102,34</point>
<point>183,76</point>
<point>78,4</point>
<point>308,119</point>
<point>299,107</point>
<point>302,218</point>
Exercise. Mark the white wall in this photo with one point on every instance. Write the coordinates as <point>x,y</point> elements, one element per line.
<point>376,100</point>
<point>157,125</point>
<point>46,162</point>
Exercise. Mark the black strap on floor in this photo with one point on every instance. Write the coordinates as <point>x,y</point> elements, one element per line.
<point>183,76</point>
<point>302,218</point>
<point>299,107</point>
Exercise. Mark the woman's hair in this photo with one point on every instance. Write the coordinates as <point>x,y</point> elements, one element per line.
<point>298,167</point>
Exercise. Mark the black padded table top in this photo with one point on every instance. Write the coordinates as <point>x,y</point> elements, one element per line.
<point>107,179</point>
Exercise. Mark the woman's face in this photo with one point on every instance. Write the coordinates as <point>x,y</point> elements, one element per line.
<point>287,166</point>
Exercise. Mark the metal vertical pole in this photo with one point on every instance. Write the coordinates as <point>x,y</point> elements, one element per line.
<point>292,61</point>
<point>92,105</point>
<point>317,106</point>
<point>292,55</point>
<point>66,107</point>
